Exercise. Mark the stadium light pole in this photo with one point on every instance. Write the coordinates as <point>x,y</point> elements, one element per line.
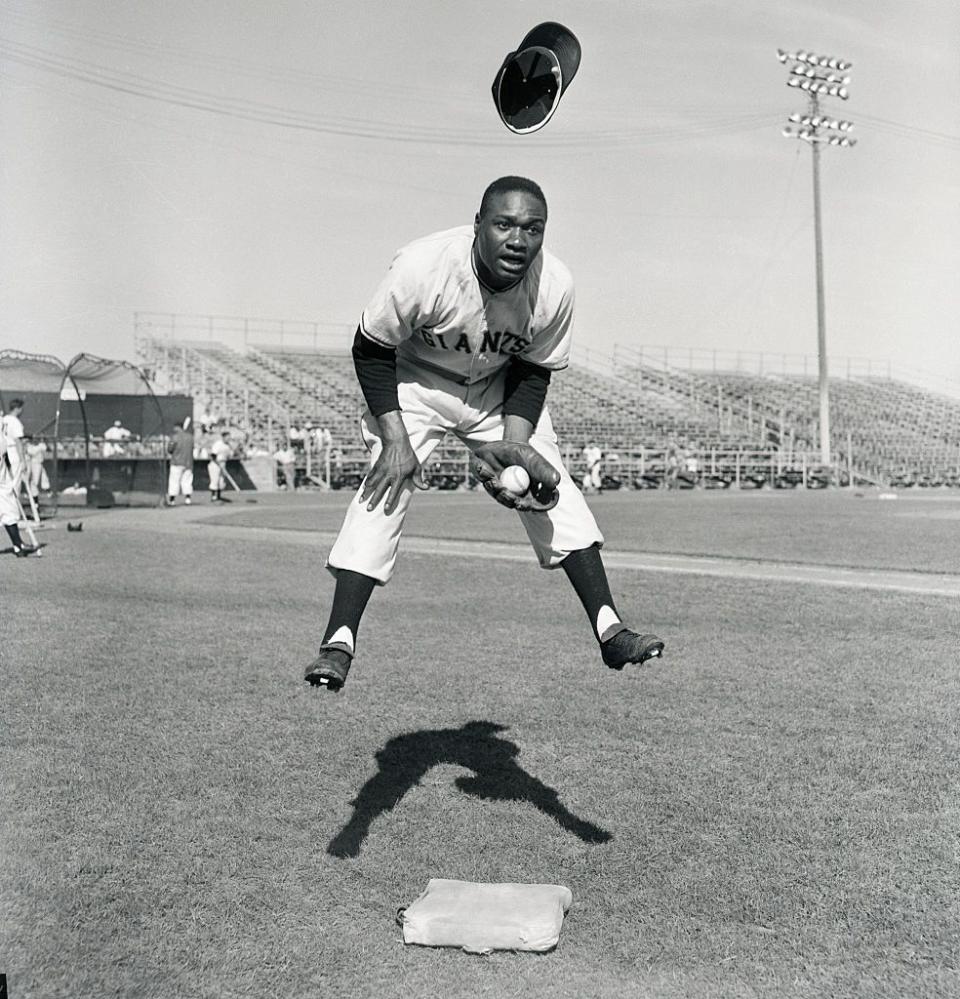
<point>819,77</point>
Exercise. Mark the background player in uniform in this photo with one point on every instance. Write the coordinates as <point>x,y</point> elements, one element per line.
<point>462,336</point>
<point>220,454</point>
<point>592,459</point>
<point>37,480</point>
<point>11,470</point>
<point>180,479</point>
<point>13,434</point>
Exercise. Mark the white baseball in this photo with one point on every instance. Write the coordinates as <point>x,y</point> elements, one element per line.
<point>514,479</point>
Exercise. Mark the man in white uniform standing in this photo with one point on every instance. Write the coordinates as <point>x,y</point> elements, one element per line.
<point>13,435</point>
<point>11,473</point>
<point>462,337</point>
<point>592,478</point>
<point>220,453</point>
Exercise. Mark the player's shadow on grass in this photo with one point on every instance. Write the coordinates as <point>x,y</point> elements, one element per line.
<point>405,760</point>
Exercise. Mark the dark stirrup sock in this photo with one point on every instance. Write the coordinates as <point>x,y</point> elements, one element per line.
<point>584,569</point>
<point>350,598</point>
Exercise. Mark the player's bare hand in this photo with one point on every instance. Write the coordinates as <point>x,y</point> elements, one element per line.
<point>489,460</point>
<point>394,468</point>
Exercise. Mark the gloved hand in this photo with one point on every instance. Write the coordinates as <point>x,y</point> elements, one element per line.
<point>489,460</point>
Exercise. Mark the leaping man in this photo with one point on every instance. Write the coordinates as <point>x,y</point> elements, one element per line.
<point>462,337</point>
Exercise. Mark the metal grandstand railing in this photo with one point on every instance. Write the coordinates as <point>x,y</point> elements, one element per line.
<point>241,332</point>
<point>774,363</point>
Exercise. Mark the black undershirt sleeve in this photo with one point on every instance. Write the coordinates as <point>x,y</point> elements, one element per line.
<point>526,390</point>
<point>376,368</point>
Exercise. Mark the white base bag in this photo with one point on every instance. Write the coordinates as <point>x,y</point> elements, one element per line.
<point>480,918</point>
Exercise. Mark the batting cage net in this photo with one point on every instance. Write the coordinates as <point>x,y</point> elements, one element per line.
<point>96,434</point>
<point>111,435</point>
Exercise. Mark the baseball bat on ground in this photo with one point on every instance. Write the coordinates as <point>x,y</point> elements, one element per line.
<point>26,524</point>
<point>33,508</point>
<point>229,478</point>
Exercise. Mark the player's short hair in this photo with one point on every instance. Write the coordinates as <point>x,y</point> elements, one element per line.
<point>16,403</point>
<point>503,185</point>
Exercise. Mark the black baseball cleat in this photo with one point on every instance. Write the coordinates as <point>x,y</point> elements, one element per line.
<point>628,647</point>
<point>330,668</point>
<point>25,551</point>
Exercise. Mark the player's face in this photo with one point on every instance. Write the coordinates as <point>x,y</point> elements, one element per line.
<point>508,237</point>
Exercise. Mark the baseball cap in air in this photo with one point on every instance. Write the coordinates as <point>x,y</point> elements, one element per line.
<point>531,81</point>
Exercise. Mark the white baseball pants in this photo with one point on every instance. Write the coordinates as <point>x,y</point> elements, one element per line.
<point>180,481</point>
<point>9,511</point>
<point>431,406</point>
<point>217,479</point>
<point>591,478</point>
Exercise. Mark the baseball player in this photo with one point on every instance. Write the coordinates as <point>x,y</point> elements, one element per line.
<point>592,458</point>
<point>13,433</point>
<point>180,448</point>
<point>36,477</point>
<point>220,453</point>
<point>462,336</point>
<point>11,467</point>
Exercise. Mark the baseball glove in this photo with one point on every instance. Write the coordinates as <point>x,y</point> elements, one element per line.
<point>489,460</point>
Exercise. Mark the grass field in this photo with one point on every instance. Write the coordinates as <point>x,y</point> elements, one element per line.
<point>773,811</point>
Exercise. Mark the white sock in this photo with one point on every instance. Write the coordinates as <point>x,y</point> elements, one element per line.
<point>608,623</point>
<point>343,635</point>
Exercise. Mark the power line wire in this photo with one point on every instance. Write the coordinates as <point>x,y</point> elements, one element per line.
<point>186,97</point>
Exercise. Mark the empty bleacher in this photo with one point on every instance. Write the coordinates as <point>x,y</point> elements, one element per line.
<point>882,429</point>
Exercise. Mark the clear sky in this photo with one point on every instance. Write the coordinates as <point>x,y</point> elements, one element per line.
<point>248,158</point>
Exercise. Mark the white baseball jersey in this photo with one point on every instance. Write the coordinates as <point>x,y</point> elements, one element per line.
<point>220,451</point>
<point>9,511</point>
<point>13,432</point>
<point>592,455</point>
<point>433,308</point>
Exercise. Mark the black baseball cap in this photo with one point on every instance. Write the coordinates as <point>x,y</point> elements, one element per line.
<point>531,81</point>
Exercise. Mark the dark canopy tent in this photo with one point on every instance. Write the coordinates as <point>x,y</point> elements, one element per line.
<point>37,379</point>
